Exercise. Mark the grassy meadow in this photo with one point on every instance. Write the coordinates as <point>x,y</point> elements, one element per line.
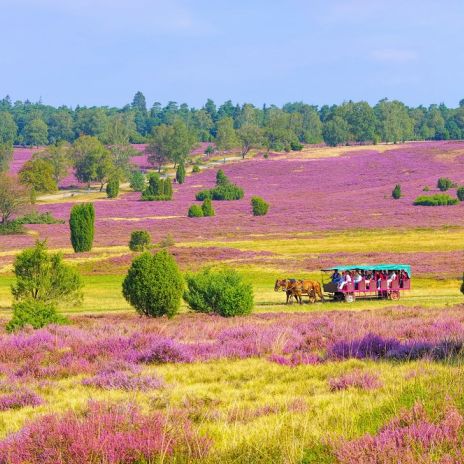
<point>271,387</point>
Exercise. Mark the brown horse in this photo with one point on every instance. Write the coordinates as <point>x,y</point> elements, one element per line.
<point>297,288</point>
<point>290,287</point>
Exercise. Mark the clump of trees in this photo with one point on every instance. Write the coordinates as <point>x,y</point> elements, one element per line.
<point>259,207</point>
<point>140,240</point>
<point>43,281</point>
<point>158,189</point>
<point>439,199</point>
<point>224,190</point>
<point>222,292</point>
<point>137,181</point>
<point>82,227</point>
<point>154,285</point>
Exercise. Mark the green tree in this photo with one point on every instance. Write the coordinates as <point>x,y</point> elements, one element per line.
<point>38,175</point>
<point>181,143</point>
<point>154,285</point>
<point>396,193</point>
<point>14,197</point>
<point>8,128</point>
<point>222,292</point>
<point>336,131</point>
<point>226,138</point>
<point>36,132</point>
<point>250,136</point>
<point>139,240</point>
<point>82,227</point>
<point>444,184</point>
<point>159,146</point>
<point>180,173</point>
<point>91,121</point>
<point>394,121</point>
<point>460,193</point>
<point>92,161</point>
<point>58,156</point>
<point>61,126</point>
<point>44,277</point>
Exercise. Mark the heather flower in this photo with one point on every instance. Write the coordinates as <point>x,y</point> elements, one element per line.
<point>356,379</point>
<point>123,380</point>
<point>19,399</point>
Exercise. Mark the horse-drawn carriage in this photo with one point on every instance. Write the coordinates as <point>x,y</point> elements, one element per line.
<point>346,283</point>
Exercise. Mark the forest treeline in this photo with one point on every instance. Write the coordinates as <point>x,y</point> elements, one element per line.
<point>275,128</point>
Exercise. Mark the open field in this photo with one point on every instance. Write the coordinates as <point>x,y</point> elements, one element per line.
<point>287,384</point>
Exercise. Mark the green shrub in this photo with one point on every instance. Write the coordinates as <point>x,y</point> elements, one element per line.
<point>39,218</point>
<point>207,207</point>
<point>396,193</point>
<point>140,240</point>
<point>34,313</point>
<point>259,206</point>
<point>440,199</point>
<point>112,187</point>
<point>203,195</point>
<point>444,183</point>
<point>227,192</point>
<point>196,169</point>
<point>137,181</point>
<point>460,193</point>
<point>154,285</point>
<point>11,228</point>
<point>426,189</point>
<point>82,226</point>
<point>221,178</point>
<point>296,146</point>
<point>195,211</point>
<point>43,276</point>
<point>221,292</point>
<point>180,173</point>
<point>158,189</point>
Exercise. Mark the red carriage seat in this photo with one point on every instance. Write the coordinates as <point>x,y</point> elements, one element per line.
<point>395,285</point>
<point>362,286</point>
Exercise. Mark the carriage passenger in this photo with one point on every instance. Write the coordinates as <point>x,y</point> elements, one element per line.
<point>380,276</point>
<point>346,280</point>
<point>368,277</point>
<point>357,278</point>
<point>391,277</point>
<point>336,277</point>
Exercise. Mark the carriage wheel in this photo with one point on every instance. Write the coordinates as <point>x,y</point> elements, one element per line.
<point>349,297</point>
<point>395,295</point>
<point>338,296</point>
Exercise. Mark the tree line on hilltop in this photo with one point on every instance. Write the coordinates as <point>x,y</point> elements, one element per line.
<point>37,124</point>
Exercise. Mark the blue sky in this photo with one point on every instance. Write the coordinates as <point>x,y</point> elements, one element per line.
<point>100,52</point>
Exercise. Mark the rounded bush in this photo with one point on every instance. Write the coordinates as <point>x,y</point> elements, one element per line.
<point>82,226</point>
<point>207,208</point>
<point>195,211</point>
<point>396,193</point>
<point>196,169</point>
<point>259,206</point>
<point>153,285</point>
<point>460,193</point>
<point>227,192</point>
<point>34,313</point>
<point>222,292</point>
<point>140,240</point>
<point>112,188</point>
<point>444,184</point>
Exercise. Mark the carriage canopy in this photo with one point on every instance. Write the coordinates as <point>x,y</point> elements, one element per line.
<point>373,267</point>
